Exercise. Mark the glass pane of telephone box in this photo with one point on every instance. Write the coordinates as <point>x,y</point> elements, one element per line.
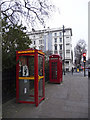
<point>23,68</point>
<point>40,88</point>
<point>31,65</point>
<point>40,73</point>
<point>26,86</point>
<point>40,65</point>
<point>54,70</point>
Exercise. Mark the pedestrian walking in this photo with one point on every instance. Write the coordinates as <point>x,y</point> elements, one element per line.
<point>72,70</point>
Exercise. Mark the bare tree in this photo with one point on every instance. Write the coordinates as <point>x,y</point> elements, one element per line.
<point>79,49</point>
<point>29,10</point>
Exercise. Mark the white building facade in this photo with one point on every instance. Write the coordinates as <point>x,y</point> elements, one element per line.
<point>51,40</point>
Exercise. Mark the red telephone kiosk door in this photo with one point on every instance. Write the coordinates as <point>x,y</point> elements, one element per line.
<point>55,69</point>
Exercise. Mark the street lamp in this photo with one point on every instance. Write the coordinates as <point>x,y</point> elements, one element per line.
<point>63,50</point>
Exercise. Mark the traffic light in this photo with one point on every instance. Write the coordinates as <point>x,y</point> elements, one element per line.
<point>84,57</point>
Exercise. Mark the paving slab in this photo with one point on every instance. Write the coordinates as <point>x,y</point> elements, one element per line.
<point>66,100</point>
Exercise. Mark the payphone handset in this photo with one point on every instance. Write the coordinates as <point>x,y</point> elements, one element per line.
<point>23,67</point>
<point>25,71</point>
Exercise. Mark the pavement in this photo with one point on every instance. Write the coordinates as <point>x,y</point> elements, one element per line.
<point>66,100</point>
<point>0,93</point>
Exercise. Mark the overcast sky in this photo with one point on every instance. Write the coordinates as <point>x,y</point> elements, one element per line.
<point>73,14</point>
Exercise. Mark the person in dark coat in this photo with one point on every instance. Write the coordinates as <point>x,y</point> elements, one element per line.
<point>72,70</point>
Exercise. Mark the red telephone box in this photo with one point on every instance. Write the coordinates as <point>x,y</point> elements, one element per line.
<point>30,76</point>
<point>55,69</point>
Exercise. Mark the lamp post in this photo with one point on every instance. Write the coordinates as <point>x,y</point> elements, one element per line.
<point>63,50</point>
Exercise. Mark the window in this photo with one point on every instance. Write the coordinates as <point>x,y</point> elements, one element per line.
<point>40,41</point>
<point>55,34</point>
<point>60,47</point>
<point>55,40</point>
<point>67,69</point>
<point>55,47</point>
<point>60,39</point>
<point>34,42</point>
<point>41,47</point>
<point>67,51</point>
<point>67,62</point>
<point>60,33</point>
<point>61,54</point>
<point>55,52</point>
<point>67,37</point>
<point>67,43</point>
<point>68,47</point>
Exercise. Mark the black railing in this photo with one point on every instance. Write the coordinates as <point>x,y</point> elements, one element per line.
<point>8,84</point>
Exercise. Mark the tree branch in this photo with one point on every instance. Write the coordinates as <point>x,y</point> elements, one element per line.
<point>30,10</point>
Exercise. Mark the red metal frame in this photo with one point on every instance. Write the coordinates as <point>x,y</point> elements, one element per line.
<point>36,77</point>
<point>35,53</point>
<point>17,74</point>
<point>56,62</point>
<point>44,77</point>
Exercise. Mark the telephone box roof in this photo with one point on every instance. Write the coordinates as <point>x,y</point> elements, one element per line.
<point>55,56</point>
<point>30,50</point>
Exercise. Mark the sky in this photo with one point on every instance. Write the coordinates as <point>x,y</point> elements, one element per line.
<point>72,14</point>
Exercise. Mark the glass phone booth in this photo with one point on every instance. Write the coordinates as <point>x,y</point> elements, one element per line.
<point>55,69</point>
<point>30,76</point>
